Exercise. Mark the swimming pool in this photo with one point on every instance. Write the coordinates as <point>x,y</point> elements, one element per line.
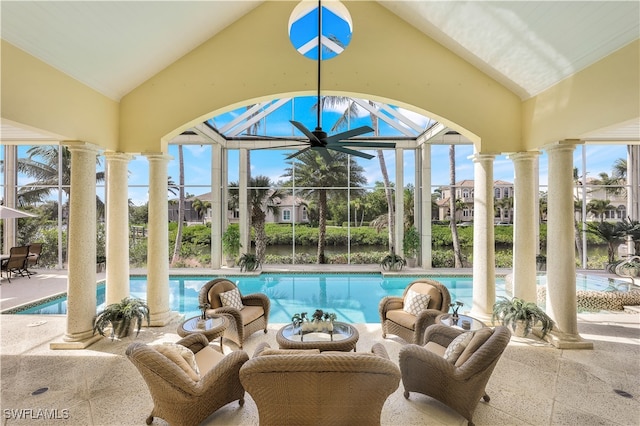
<point>353,297</point>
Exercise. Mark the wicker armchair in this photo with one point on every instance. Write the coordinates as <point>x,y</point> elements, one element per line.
<point>242,323</point>
<point>177,397</point>
<point>411,327</point>
<point>328,388</point>
<point>459,385</point>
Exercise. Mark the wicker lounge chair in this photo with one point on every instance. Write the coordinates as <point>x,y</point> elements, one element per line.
<point>177,397</point>
<point>461,384</point>
<point>253,316</point>
<point>395,319</point>
<point>297,387</point>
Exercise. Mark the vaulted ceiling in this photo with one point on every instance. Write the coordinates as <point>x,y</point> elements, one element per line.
<point>528,46</point>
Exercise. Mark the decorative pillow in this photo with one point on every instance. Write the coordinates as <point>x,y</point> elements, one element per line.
<point>415,302</point>
<point>182,356</point>
<point>232,298</point>
<point>457,346</point>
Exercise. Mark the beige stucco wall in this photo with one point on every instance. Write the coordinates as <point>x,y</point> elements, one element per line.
<point>253,60</point>
<point>605,94</point>
<point>37,95</point>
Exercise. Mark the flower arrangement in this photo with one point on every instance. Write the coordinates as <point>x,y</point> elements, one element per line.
<point>203,308</point>
<point>455,306</point>
<point>318,321</point>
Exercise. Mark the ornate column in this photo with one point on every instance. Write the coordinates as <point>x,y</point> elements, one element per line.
<point>158,241</point>
<point>561,258</point>
<point>524,241</point>
<point>117,243</point>
<point>81,286</point>
<point>218,205</point>
<point>484,269</point>
<point>425,191</point>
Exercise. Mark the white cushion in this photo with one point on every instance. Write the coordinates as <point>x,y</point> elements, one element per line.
<point>232,298</point>
<point>415,302</point>
<point>457,346</point>
<point>182,356</point>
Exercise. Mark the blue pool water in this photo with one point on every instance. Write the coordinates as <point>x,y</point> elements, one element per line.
<point>353,297</point>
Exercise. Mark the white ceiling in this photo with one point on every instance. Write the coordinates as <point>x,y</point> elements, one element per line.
<point>113,46</point>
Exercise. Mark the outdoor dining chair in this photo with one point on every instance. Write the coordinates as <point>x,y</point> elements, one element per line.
<point>16,263</point>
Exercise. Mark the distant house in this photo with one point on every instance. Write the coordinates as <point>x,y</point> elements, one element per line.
<point>503,200</point>
<point>617,200</point>
<point>290,209</point>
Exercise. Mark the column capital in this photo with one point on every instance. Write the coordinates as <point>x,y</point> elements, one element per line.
<point>526,155</point>
<point>563,145</point>
<point>158,156</point>
<point>81,146</point>
<point>117,156</point>
<point>478,157</point>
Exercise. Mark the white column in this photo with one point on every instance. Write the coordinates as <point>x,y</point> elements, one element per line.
<point>399,201</point>
<point>484,269</point>
<point>117,243</point>
<point>524,241</point>
<point>158,241</point>
<point>425,191</point>
<point>218,206</point>
<point>243,217</point>
<point>10,181</point>
<point>561,259</point>
<point>81,285</point>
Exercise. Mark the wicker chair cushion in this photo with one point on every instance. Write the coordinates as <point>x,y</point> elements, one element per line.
<point>457,346</point>
<point>251,313</point>
<point>269,351</point>
<point>232,298</point>
<point>182,356</point>
<point>400,317</point>
<point>479,338</point>
<point>207,358</point>
<point>415,302</point>
<point>435,348</point>
<point>426,288</point>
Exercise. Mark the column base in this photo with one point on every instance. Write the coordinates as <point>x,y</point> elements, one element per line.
<point>163,318</point>
<point>75,344</point>
<point>563,340</point>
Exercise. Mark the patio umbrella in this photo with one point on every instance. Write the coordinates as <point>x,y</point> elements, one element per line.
<point>9,213</point>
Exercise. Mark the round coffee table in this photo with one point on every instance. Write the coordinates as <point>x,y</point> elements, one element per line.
<point>214,328</point>
<point>447,319</point>
<point>344,338</point>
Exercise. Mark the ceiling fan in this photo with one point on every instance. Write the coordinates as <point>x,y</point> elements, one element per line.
<point>318,139</point>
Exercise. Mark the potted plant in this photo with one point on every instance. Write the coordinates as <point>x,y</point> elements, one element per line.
<point>248,262</point>
<point>231,244</point>
<point>392,262</point>
<point>521,316</point>
<point>129,312</point>
<point>411,245</point>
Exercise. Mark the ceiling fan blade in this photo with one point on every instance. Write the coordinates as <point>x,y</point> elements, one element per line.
<point>349,134</point>
<point>351,151</point>
<point>306,132</point>
<point>295,154</point>
<point>363,144</point>
<point>281,146</point>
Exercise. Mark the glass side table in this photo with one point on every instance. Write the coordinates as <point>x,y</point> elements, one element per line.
<point>464,322</point>
<point>213,327</point>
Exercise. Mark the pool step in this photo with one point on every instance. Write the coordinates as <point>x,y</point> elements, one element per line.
<point>632,309</point>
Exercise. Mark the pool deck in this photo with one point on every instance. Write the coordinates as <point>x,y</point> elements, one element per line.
<point>533,383</point>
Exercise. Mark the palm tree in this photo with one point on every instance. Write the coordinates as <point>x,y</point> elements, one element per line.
<point>351,112</point>
<point>610,233</point>
<point>42,165</point>
<point>457,252</point>
<point>178,243</point>
<point>599,207</point>
<point>620,169</point>
<point>316,178</point>
<point>262,199</point>
<point>200,207</point>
